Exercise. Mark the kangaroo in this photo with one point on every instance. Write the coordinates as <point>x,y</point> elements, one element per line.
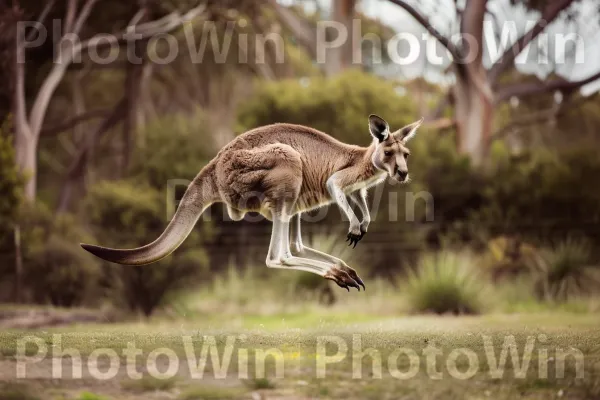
<point>281,171</point>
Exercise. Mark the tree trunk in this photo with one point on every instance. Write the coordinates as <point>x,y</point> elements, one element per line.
<point>340,57</point>
<point>473,95</point>
<point>474,116</point>
<point>133,80</point>
<point>18,295</point>
<point>26,159</point>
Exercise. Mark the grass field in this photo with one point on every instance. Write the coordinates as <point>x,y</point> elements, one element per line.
<point>312,355</point>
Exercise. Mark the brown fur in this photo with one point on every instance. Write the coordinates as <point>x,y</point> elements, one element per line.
<point>282,170</point>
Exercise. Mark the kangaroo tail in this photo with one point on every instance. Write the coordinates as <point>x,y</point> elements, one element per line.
<point>200,194</point>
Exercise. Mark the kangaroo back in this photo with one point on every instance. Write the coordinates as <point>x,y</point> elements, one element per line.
<point>199,195</point>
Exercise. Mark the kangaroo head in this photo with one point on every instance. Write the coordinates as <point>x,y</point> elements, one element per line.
<point>391,153</point>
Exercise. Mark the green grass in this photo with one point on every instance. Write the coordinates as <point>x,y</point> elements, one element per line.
<point>211,393</point>
<point>90,396</point>
<point>298,344</point>
<point>261,313</point>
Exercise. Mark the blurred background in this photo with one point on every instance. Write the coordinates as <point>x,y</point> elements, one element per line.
<point>90,151</point>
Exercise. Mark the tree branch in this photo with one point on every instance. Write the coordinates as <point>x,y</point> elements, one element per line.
<point>550,13</point>
<point>533,118</point>
<point>421,19</point>
<point>86,116</point>
<point>300,28</point>
<point>528,89</point>
<point>21,123</point>
<point>79,161</point>
<point>146,30</point>
<point>41,18</point>
<point>83,16</point>
<point>142,31</point>
<point>472,26</point>
<point>70,15</point>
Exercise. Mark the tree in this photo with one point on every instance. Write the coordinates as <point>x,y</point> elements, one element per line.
<point>342,12</point>
<point>28,126</point>
<point>477,91</point>
<point>337,58</point>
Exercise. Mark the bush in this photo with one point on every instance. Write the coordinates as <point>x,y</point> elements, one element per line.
<point>567,271</point>
<point>11,183</point>
<point>174,147</point>
<point>338,106</point>
<point>61,273</point>
<point>128,215</point>
<point>56,270</point>
<point>445,283</point>
<point>540,196</point>
<point>536,198</point>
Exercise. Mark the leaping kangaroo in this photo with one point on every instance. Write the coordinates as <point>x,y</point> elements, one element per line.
<point>281,171</point>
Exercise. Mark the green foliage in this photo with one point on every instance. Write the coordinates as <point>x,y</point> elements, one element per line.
<point>445,283</point>
<point>56,271</point>
<point>11,182</point>
<point>130,215</point>
<point>338,106</point>
<point>537,197</point>
<point>211,393</point>
<point>90,396</point>
<point>174,147</point>
<point>61,272</point>
<point>543,197</point>
<point>567,271</point>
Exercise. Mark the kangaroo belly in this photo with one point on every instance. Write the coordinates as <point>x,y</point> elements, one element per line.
<point>311,198</point>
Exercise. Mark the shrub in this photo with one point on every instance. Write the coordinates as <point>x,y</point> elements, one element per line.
<point>11,182</point>
<point>180,154</point>
<point>11,185</point>
<point>129,215</point>
<point>567,271</point>
<point>445,282</point>
<point>536,198</point>
<point>61,273</point>
<point>509,257</point>
<point>55,268</point>
<point>338,106</point>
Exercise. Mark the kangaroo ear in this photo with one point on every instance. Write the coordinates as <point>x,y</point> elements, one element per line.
<point>409,131</point>
<point>379,129</point>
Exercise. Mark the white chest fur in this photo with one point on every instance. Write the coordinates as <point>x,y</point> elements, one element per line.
<point>366,184</point>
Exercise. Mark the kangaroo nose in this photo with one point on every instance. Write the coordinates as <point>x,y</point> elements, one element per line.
<point>402,174</point>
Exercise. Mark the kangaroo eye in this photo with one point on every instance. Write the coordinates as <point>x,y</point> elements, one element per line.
<point>387,153</point>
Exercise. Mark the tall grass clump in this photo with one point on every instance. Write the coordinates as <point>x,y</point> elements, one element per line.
<point>567,271</point>
<point>445,282</point>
